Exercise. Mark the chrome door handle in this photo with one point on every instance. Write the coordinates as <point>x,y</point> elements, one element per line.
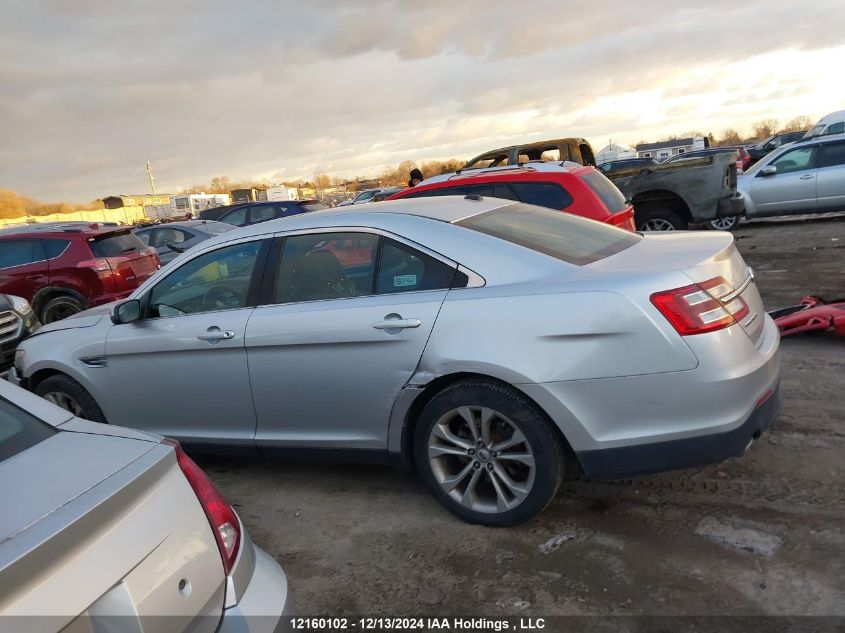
<point>806,177</point>
<point>397,324</point>
<point>216,334</point>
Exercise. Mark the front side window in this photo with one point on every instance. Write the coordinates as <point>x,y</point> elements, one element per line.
<point>543,194</point>
<point>835,128</point>
<point>20,252</point>
<point>145,236</point>
<point>564,236</point>
<point>799,159</point>
<point>218,280</point>
<point>169,235</point>
<point>405,269</point>
<point>326,266</point>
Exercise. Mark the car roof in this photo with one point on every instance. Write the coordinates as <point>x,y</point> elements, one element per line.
<point>197,224</point>
<point>448,209</point>
<point>62,228</point>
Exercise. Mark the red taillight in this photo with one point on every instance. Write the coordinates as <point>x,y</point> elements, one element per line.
<point>700,308</point>
<point>623,219</point>
<point>224,522</point>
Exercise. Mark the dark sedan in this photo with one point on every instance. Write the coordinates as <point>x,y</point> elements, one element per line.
<point>176,237</point>
<point>246,213</point>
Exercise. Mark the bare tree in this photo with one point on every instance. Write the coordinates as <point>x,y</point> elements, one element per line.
<point>729,137</point>
<point>765,128</point>
<point>798,124</point>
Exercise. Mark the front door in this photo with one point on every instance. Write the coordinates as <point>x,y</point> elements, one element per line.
<point>341,334</point>
<point>792,189</point>
<point>181,371</point>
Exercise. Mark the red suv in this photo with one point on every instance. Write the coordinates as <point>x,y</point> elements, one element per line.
<point>573,188</point>
<point>62,269</point>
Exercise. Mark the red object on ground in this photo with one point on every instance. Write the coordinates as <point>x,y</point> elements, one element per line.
<point>813,314</point>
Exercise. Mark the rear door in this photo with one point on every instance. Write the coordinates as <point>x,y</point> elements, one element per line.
<point>23,267</point>
<point>830,187</point>
<point>792,189</point>
<point>347,315</point>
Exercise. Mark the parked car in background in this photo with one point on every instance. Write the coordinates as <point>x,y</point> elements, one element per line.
<point>384,194</point>
<point>179,235</point>
<point>256,212</point>
<point>802,177</point>
<point>367,195</point>
<point>110,529</point>
<point>17,321</point>
<point>743,160</point>
<point>666,197</point>
<point>627,163</point>
<point>571,188</point>
<point>758,151</point>
<point>833,123</point>
<point>64,268</point>
<point>483,340</point>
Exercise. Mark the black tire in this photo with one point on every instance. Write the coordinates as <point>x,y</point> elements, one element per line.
<point>58,386</point>
<point>541,441</point>
<point>59,308</point>
<point>649,214</point>
<point>728,223</point>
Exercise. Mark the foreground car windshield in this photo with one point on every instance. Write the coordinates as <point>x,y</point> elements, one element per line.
<point>560,235</point>
<point>19,430</point>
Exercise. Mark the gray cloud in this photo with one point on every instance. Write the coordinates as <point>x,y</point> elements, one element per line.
<point>93,89</point>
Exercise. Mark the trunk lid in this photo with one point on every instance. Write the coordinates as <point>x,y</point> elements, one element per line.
<point>699,256</point>
<point>99,525</point>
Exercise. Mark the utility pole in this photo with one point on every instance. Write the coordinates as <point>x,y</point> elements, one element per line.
<point>150,175</point>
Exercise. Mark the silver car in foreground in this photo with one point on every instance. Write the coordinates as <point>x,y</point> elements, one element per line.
<point>481,340</point>
<point>108,529</point>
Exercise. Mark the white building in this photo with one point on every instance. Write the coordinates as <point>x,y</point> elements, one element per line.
<point>665,149</point>
<point>613,152</point>
<point>196,202</point>
<point>281,193</point>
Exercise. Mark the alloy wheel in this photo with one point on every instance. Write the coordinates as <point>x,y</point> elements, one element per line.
<point>481,459</point>
<point>65,401</point>
<point>724,224</point>
<point>657,224</point>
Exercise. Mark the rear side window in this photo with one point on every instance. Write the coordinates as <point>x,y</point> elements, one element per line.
<point>563,236</point>
<point>404,269</point>
<point>19,430</point>
<point>20,252</point>
<point>54,248</point>
<point>112,245</point>
<point>543,194</point>
<point>606,191</point>
<point>831,155</point>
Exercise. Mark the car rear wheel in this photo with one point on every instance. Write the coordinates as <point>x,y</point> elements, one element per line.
<point>59,308</point>
<point>65,392</point>
<point>724,224</point>
<point>487,453</point>
<point>656,217</point>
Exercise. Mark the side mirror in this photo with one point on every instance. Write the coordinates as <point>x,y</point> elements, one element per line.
<point>771,170</point>
<point>126,312</point>
<point>175,248</point>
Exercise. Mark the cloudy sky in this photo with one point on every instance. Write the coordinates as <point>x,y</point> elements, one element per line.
<point>94,88</point>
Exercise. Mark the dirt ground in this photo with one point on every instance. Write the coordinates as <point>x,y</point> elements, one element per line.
<point>760,534</point>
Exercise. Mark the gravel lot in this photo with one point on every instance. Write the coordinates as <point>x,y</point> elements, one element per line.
<point>760,534</point>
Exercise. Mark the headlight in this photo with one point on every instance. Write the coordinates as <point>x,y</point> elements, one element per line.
<point>20,305</point>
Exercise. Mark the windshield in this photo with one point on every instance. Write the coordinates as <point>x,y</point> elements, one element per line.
<point>564,236</point>
<point>215,228</point>
<point>313,206</point>
<point>816,130</point>
<point>364,195</point>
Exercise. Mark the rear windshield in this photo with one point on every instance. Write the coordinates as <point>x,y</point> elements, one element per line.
<point>111,245</point>
<point>564,236</point>
<point>313,206</point>
<point>606,191</point>
<point>19,430</point>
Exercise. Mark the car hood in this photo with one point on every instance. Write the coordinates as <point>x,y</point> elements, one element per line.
<point>86,318</point>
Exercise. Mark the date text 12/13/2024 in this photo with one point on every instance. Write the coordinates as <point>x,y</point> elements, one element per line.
<point>465,625</point>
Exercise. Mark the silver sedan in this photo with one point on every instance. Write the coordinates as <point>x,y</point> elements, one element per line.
<point>110,529</point>
<point>480,341</point>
